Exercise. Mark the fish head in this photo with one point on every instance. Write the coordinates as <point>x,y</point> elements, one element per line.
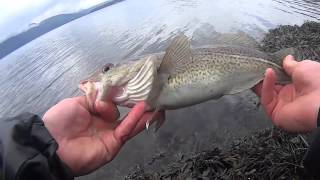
<point>118,83</point>
<point>106,83</point>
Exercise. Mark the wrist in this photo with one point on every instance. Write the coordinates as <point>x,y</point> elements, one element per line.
<point>58,139</point>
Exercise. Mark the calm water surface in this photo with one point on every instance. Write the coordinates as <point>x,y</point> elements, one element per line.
<point>48,69</point>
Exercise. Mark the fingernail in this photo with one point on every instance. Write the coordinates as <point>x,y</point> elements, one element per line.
<point>267,70</point>
<point>290,57</point>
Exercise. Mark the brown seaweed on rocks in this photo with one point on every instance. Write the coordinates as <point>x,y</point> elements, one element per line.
<point>264,155</point>
<point>305,38</point>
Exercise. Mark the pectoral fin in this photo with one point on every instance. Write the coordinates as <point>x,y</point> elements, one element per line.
<point>177,55</point>
<point>155,117</point>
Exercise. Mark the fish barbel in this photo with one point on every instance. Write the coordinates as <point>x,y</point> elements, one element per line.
<point>184,76</point>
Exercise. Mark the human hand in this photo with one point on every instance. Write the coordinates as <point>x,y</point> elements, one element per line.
<point>293,107</point>
<point>87,141</point>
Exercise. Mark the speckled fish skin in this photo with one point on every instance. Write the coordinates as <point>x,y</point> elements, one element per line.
<point>182,77</point>
<point>207,73</point>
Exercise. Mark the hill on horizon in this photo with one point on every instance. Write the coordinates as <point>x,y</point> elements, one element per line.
<point>16,41</point>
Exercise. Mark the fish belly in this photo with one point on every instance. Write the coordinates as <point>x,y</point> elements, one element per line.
<point>197,93</point>
<point>188,95</point>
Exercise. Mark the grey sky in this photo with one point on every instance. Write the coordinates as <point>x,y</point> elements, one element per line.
<point>16,15</point>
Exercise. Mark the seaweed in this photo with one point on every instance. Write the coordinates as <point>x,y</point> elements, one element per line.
<point>304,38</point>
<point>267,154</point>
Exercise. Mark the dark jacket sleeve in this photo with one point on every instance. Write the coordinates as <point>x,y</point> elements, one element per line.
<point>312,158</point>
<point>28,151</point>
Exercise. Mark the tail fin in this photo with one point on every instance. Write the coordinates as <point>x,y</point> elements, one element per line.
<point>282,77</point>
<point>281,54</point>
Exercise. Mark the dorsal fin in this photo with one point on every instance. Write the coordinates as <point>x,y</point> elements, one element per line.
<point>177,55</point>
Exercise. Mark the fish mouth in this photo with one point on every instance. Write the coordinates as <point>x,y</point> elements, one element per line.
<point>91,90</point>
<point>94,91</point>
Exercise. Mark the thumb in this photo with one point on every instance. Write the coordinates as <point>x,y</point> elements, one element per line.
<point>289,64</point>
<point>107,110</point>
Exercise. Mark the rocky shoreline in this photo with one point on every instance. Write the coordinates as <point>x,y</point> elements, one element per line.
<point>265,155</point>
<point>304,38</point>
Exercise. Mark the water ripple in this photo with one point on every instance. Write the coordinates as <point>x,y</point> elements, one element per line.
<point>306,8</point>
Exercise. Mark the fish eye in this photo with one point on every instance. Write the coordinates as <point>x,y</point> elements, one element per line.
<point>105,69</point>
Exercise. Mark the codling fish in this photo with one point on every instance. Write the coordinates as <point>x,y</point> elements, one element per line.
<point>183,76</point>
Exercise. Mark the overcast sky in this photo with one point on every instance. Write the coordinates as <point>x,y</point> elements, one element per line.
<point>16,15</point>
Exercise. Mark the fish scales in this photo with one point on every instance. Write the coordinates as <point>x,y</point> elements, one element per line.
<point>183,76</point>
<point>210,66</point>
<point>210,73</point>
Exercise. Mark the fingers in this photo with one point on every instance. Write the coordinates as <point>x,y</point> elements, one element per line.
<point>268,91</point>
<point>268,86</point>
<point>289,64</point>
<point>107,111</point>
<point>128,124</point>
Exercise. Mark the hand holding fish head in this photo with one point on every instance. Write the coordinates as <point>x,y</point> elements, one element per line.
<point>124,84</point>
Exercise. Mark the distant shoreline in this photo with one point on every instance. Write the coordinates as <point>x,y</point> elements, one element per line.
<point>15,42</point>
